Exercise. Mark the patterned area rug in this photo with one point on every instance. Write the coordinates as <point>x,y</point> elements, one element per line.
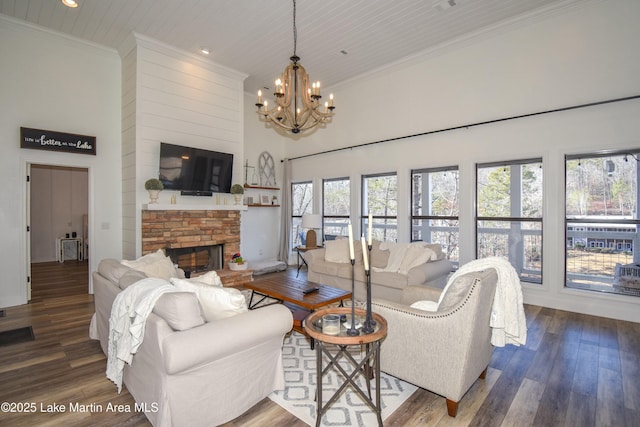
<point>349,410</point>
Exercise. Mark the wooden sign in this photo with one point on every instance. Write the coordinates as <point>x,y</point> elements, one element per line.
<point>38,139</point>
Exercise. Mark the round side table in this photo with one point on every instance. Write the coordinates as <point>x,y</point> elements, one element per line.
<point>335,347</point>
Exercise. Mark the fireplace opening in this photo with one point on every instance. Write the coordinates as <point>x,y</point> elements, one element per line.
<point>197,258</point>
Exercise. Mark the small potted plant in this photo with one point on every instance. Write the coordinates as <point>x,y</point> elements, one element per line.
<point>153,186</point>
<point>237,190</point>
<point>238,263</point>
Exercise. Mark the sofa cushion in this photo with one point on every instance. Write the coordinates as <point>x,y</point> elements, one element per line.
<point>325,267</point>
<point>337,251</point>
<point>130,277</point>
<point>180,310</point>
<point>155,264</point>
<point>389,280</point>
<point>217,302</point>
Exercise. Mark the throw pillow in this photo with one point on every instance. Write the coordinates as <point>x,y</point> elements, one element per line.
<point>112,269</point>
<point>437,248</point>
<point>180,310</point>
<point>425,305</point>
<point>337,251</point>
<point>416,254</point>
<point>155,264</point>
<point>217,302</point>
<point>210,278</point>
<point>379,258</point>
<point>454,292</point>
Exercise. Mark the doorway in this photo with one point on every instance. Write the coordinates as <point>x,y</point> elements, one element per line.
<point>58,229</point>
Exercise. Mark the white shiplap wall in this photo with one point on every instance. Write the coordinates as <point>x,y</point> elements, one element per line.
<point>129,64</point>
<point>177,98</point>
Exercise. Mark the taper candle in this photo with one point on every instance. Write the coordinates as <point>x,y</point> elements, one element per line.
<point>364,254</point>
<point>351,251</point>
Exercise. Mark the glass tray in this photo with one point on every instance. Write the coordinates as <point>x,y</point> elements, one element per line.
<point>345,323</point>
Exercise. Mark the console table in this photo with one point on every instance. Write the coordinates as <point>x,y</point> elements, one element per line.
<point>336,348</point>
<point>68,242</point>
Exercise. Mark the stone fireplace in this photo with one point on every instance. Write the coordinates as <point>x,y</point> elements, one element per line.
<point>192,236</point>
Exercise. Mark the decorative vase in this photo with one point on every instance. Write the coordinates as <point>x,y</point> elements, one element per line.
<point>153,196</point>
<point>237,198</point>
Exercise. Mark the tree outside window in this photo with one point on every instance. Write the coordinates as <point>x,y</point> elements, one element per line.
<point>509,215</point>
<point>336,205</point>
<point>435,208</point>
<point>301,203</point>
<point>601,222</point>
<point>380,198</point>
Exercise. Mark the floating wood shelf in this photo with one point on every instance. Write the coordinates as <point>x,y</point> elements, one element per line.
<point>255,205</point>
<point>259,187</point>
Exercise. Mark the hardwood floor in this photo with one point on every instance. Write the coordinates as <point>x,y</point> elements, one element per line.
<point>575,370</point>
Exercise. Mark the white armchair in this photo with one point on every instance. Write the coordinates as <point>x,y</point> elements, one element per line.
<point>447,350</point>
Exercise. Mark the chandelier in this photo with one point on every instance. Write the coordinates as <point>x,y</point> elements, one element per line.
<point>297,105</point>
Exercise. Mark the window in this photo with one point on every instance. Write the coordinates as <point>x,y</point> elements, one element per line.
<point>434,208</point>
<point>601,223</point>
<point>509,215</point>
<point>301,203</point>
<point>336,198</point>
<point>380,198</point>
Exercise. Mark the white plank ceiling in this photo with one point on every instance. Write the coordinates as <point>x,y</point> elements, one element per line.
<point>256,36</point>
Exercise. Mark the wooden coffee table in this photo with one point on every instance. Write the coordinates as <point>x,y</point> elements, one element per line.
<point>290,291</point>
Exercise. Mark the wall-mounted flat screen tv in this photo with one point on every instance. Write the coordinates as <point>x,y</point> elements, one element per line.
<point>195,171</point>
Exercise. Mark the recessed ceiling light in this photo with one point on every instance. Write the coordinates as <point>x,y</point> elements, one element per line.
<point>70,3</point>
<point>205,50</point>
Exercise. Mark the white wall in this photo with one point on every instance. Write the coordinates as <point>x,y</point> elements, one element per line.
<point>175,97</point>
<point>261,226</point>
<point>59,200</point>
<point>584,53</point>
<point>56,83</point>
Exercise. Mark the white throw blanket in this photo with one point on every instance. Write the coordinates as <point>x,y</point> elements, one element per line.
<point>404,256</point>
<point>128,317</point>
<point>508,322</point>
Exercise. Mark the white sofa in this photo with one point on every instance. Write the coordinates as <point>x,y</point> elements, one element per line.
<point>189,372</point>
<point>331,266</point>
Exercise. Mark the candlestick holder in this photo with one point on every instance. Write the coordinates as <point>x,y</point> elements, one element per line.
<point>369,324</point>
<point>352,331</point>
